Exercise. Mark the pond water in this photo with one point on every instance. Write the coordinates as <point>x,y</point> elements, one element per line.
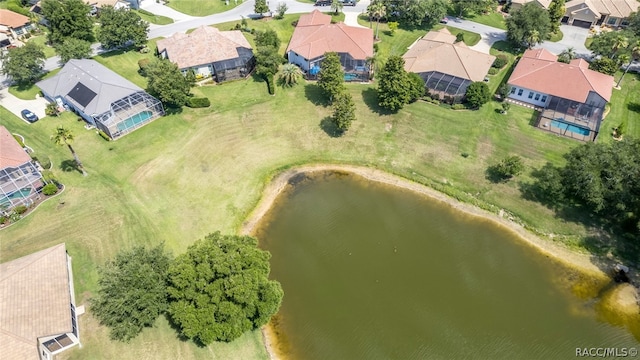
<point>373,272</point>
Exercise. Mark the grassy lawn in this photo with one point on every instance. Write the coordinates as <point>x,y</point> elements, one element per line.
<point>625,107</point>
<point>202,7</point>
<point>41,40</point>
<point>29,92</point>
<point>494,19</point>
<point>153,18</point>
<point>555,37</point>
<point>125,62</point>
<point>502,48</point>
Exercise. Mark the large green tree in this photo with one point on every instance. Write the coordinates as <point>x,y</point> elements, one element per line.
<point>415,13</point>
<point>23,64</point>
<point>260,7</point>
<point>68,18</point>
<point>463,7</point>
<point>166,82</point>
<point>528,25</point>
<point>556,13</point>
<point>344,111</point>
<point>634,23</point>
<point>377,11</point>
<point>268,59</point>
<point>267,38</point>
<point>71,48</point>
<point>132,291</point>
<point>613,44</point>
<point>604,65</point>
<point>121,27</point>
<point>394,86</point>
<point>477,94</point>
<point>331,77</point>
<point>220,288</point>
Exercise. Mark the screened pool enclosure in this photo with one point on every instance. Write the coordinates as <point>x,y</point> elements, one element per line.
<point>446,86</point>
<point>128,114</point>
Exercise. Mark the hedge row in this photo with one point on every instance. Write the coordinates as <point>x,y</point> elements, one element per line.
<point>198,102</point>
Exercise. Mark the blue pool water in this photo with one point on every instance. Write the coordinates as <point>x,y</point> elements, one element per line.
<point>570,127</point>
<point>134,120</point>
<point>350,77</point>
<point>22,193</point>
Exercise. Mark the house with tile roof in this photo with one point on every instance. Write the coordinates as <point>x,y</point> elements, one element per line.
<point>517,4</point>
<point>20,180</point>
<point>447,67</point>
<point>38,315</point>
<point>224,55</point>
<point>116,4</point>
<point>13,24</point>
<point>570,97</point>
<point>315,35</point>
<point>101,97</point>
<point>586,13</point>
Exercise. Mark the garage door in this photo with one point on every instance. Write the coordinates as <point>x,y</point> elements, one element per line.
<point>580,23</point>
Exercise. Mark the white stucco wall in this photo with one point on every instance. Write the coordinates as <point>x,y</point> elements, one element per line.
<point>529,96</point>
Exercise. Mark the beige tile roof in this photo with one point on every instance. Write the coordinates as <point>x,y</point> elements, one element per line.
<point>11,153</point>
<point>539,70</point>
<point>436,51</point>
<point>544,3</point>
<point>205,45</point>
<point>34,301</point>
<point>13,19</point>
<point>615,8</point>
<point>314,36</point>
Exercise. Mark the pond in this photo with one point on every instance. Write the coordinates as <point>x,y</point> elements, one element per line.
<point>374,272</point>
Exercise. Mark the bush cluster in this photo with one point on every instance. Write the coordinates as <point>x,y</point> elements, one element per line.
<point>198,102</point>
<point>271,84</point>
<point>142,65</point>
<point>104,135</point>
<point>500,61</point>
<point>50,189</point>
<point>19,140</point>
<point>493,71</point>
<point>458,107</point>
<point>20,209</point>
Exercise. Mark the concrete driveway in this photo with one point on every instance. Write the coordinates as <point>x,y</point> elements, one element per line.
<point>16,105</point>
<point>489,35</point>
<point>573,36</point>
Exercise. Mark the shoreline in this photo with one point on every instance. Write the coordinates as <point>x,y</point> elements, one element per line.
<point>580,262</point>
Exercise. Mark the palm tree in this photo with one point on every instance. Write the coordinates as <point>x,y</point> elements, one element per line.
<point>290,74</point>
<point>65,137</point>
<point>372,61</point>
<point>377,11</point>
<point>620,42</point>
<point>635,56</point>
<point>336,6</point>
<point>533,38</point>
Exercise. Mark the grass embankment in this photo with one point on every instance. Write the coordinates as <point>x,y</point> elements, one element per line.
<point>625,108</point>
<point>494,19</point>
<point>202,7</point>
<point>153,18</point>
<point>29,92</point>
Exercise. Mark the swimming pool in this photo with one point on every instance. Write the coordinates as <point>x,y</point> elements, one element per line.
<point>350,77</point>
<point>22,193</point>
<point>570,127</point>
<point>136,119</point>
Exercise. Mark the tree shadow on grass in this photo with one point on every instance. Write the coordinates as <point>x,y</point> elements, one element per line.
<point>370,98</point>
<point>173,110</point>
<point>70,165</point>
<point>492,174</point>
<point>314,94</point>
<point>330,128</point>
<point>633,106</point>
<point>534,119</point>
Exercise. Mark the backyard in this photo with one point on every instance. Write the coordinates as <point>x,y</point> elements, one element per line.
<point>201,170</point>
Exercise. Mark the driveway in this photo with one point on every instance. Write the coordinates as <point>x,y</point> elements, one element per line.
<point>16,105</point>
<point>489,35</point>
<point>573,36</point>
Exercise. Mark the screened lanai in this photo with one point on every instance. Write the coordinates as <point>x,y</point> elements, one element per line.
<point>235,68</point>
<point>19,185</point>
<point>128,114</point>
<point>446,85</point>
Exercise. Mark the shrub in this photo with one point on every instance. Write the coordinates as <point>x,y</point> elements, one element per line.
<point>500,61</point>
<point>3,219</point>
<point>20,209</point>
<point>459,37</point>
<point>458,107</point>
<point>198,102</point>
<point>237,27</point>
<point>478,94</point>
<point>142,65</point>
<point>493,71</point>
<point>508,167</point>
<point>19,140</point>
<point>104,135</point>
<point>503,91</point>
<point>271,84</point>
<point>505,107</point>
<point>50,189</point>
<point>435,96</point>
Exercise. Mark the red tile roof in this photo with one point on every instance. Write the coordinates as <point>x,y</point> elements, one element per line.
<point>539,70</point>
<point>205,45</point>
<point>11,153</point>
<point>314,36</point>
<point>13,19</point>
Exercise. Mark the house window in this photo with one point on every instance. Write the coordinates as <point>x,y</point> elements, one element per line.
<point>520,92</point>
<point>544,98</point>
<point>612,20</point>
<point>537,97</point>
<point>513,90</point>
<point>530,94</point>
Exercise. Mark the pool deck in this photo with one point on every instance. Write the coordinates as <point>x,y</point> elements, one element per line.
<point>547,116</point>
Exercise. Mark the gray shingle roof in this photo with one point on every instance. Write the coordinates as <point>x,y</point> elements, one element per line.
<point>108,85</point>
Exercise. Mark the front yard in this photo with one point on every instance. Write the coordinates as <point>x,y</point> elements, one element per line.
<point>203,8</point>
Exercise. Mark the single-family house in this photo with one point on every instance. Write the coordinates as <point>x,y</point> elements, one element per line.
<point>38,315</point>
<point>517,4</point>
<point>315,35</point>
<point>571,98</point>
<point>13,24</point>
<point>224,55</point>
<point>20,180</point>
<point>586,13</point>
<point>101,97</point>
<point>447,67</point>
<point>117,4</point>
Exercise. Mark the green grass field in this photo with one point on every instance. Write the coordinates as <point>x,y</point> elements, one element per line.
<point>494,19</point>
<point>153,18</point>
<point>202,7</point>
<point>29,92</point>
<point>625,107</point>
<point>41,40</point>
